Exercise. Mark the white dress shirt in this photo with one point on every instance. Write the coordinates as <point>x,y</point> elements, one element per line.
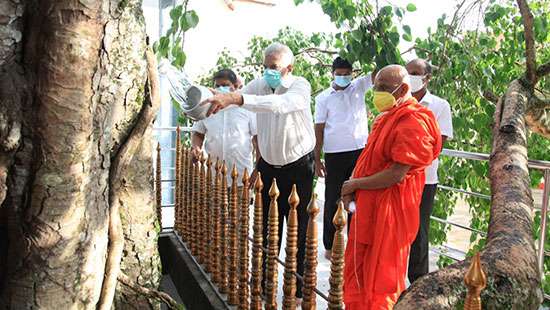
<point>344,113</point>
<point>285,131</point>
<point>442,111</point>
<point>228,136</point>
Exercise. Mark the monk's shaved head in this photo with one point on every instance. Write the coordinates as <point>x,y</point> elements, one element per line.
<point>393,79</point>
<point>390,77</point>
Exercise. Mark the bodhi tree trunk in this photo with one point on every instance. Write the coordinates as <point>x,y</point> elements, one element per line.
<point>78,92</point>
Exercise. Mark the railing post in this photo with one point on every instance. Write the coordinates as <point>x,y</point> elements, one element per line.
<point>208,215</point>
<point>200,212</point>
<point>224,286</point>
<point>476,281</point>
<point>187,206</point>
<point>215,254</point>
<point>177,182</point>
<point>194,210</point>
<point>257,254</point>
<point>336,279</point>
<point>310,263</point>
<point>244,262</point>
<point>544,220</point>
<point>179,214</point>
<point>233,298</point>
<point>272,249</point>
<point>158,184</point>
<point>289,279</point>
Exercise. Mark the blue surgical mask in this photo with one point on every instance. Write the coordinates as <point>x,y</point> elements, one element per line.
<point>224,89</point>
<point>272,77</point>
<point>342,80</point>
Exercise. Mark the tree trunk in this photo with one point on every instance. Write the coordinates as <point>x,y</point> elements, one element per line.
<point>73,78</point>
<point>509,258</point>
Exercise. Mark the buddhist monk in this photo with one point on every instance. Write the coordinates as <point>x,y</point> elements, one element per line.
<point>386,186</point>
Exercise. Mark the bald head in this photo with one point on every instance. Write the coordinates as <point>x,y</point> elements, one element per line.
<point>419,67</point>
<point>393,79</point>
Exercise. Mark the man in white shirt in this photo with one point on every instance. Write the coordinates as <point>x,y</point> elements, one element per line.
<point>286,138</point>
<point>341,131</point>
<point>420,72</point>
<point>230,135</point>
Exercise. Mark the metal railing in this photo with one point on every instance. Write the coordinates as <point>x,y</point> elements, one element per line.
<point>445,249</point>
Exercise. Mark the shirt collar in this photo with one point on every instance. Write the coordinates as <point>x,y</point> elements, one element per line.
<point>427,99</point>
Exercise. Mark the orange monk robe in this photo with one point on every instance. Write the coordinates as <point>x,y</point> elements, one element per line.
<point>387,220</point>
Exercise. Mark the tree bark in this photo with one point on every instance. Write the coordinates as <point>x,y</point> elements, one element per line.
<point>509,258</point>
<point>73,89</point>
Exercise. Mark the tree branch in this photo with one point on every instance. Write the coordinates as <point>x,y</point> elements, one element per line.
<point>316,50</point>
<point>150,293</point>
<point>537,116</point>
<point>527,18</point>
<point>490,96</point>
<point>116,181</point>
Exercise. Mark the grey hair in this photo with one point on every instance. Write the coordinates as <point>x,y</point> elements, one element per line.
<point>280,49</point>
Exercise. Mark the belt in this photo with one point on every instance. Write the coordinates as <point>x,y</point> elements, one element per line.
<point>302,160</point>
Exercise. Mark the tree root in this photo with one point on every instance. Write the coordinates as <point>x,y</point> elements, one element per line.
<point>116,181</point>
<point>150,293</point>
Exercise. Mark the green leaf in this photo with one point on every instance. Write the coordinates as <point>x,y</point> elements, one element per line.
<point>192,19</point>
<point>387,10</point>
<point>407,37</point>
<point>407,29</point>
<point>175,13</point>
<point>411,7</point>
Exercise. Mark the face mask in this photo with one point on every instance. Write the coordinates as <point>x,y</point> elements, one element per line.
<point>272,77</point>
<point>417,83</point>
<point>224,89</point>
<point>342,80</point>
<point>383,100</point>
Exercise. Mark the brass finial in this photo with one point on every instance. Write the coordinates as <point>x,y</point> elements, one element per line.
<point>257,254</point>
<point>289,281</point>
<point>272,248</point>
<point>310,262</point>
<point>336,280</point>
<point>224,285</point>
<point>233,298</point>
<point>476,281</point>
<point>215,254</point>
<point>243,243</point>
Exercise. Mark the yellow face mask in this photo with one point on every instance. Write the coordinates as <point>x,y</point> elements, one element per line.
<point>383,100</point>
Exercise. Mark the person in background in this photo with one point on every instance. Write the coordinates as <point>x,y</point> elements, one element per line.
<point>386,186</point>
<point>286,138</point>
<point>230,135</point>
<point>420,72</point>
<point>341,131</point>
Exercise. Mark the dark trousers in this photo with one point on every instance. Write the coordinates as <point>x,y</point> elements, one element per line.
<point>339,167</point>
<point>419,261</point>
<point>299,173</point>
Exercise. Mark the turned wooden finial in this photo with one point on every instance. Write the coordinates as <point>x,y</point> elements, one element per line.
<point>257,254</point>
<point>216,227</point>
<point>188,206</point>
<point>233,294</point>
<point>200,212</point>
<point>158,184</point>
<point>224,284</point>
<point>476,281</point>
<point>209,217</point>
<point>289,279</point>
<point>181,203</point>
<point>272,248</point>
<point>243,244</point>
<point>178,182</point>
<point>194,198</point>
<point>310,262</point>
<point>336,280</point>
